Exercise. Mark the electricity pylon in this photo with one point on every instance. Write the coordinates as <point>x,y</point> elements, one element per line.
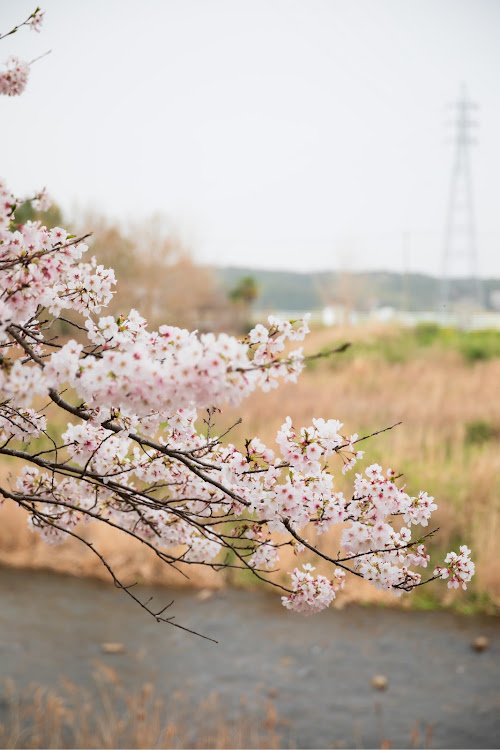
<point>460,249</point>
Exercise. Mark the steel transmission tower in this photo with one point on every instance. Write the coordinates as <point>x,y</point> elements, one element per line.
<point>460,250</point>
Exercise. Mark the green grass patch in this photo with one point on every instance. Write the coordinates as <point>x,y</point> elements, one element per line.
<point>480,431</point>
<point>479,345</point>
<point>402,344</point>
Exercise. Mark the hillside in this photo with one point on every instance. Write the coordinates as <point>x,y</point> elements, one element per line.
<point>364,291</point>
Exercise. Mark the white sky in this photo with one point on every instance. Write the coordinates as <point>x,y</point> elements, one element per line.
<point>299,134</point>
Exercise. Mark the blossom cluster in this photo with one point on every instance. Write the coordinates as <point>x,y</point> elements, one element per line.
<point>459,568</point>
<point>14,76</point>
<point>38,268</point>
<point>312,594</point>
<point>36,19</point>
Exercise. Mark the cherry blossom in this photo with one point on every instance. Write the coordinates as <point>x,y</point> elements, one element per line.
<point>312,594</point>
<point>35,21</point>
<point>459,568</point>
<point>14,76</point>
<point>140,450</point>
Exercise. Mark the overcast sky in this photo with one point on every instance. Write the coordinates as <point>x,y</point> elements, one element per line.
<point>299,134</point>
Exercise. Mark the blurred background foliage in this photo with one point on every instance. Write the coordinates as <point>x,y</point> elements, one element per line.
<point>155,272</point>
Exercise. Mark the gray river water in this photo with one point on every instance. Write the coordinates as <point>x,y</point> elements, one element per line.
<point>318,670</point>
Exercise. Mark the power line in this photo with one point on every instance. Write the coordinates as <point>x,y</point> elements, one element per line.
<point>460,243</point>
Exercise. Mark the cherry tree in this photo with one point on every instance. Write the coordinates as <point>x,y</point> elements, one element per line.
<point>140,450</point>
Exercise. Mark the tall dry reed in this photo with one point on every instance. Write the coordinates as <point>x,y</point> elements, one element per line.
<point>109,716</point>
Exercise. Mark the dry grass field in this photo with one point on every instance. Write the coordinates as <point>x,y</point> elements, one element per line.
<point>112,716</point>
<point>446,393</point>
